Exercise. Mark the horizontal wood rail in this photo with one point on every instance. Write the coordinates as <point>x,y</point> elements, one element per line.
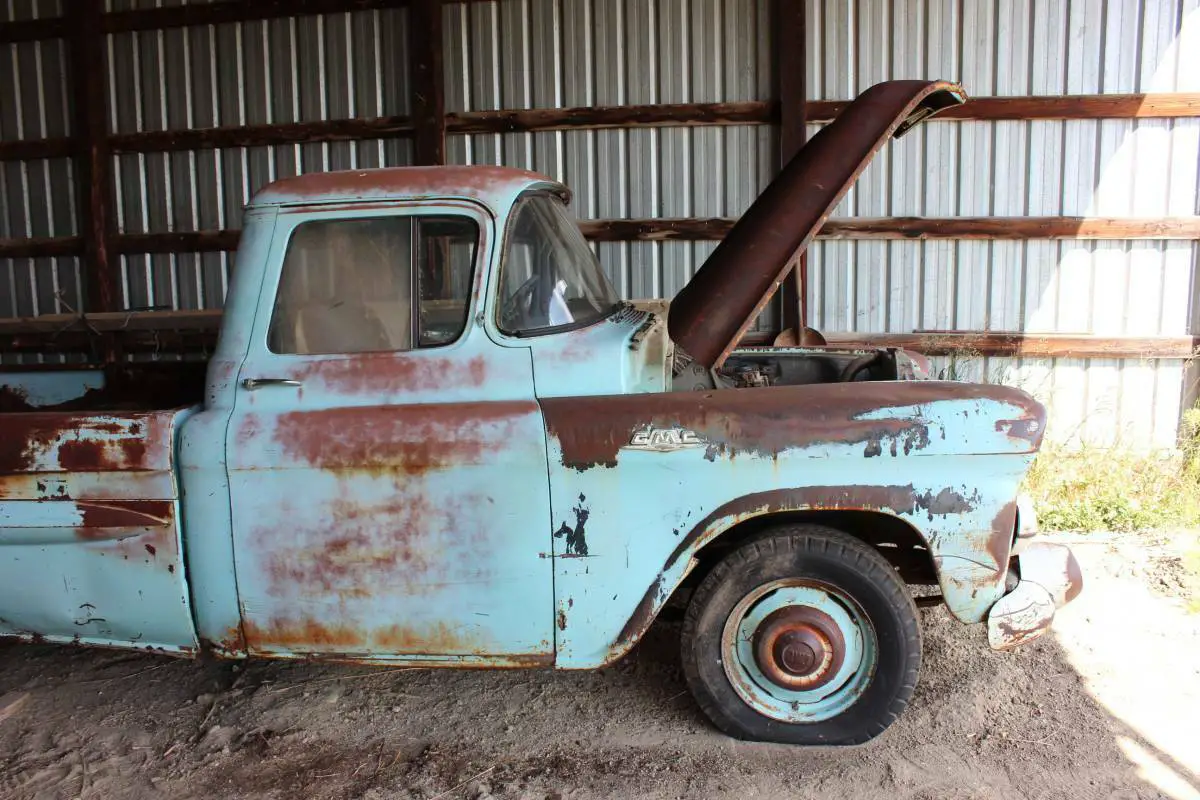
<point>192,330</point>
<point>1142,106</point>
<point>30,30</point>
<point>750,112</point>
<point>1019,228</point>
<point>30,149</point>
<point>218,13</point>
<point>1014,344</point>
<point>1080,106</point>
<point>707,229</point>
<point>344,130</point>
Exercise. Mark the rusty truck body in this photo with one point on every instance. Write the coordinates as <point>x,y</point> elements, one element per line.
<point>431,434</point>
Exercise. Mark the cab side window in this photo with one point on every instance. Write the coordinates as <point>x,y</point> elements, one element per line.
<point>374,285</point>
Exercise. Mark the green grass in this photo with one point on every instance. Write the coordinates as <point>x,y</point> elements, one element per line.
<point>1113,490</point>
<point>1116,489</point>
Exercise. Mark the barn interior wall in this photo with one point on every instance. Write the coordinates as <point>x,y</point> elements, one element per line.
<point>1096,168</point>
<point>511,54</point>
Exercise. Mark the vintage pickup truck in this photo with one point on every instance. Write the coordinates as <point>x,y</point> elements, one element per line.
<point>431,434</point>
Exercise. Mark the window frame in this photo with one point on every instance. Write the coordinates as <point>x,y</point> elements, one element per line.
<point>502,266</point>
<point>441,210</point>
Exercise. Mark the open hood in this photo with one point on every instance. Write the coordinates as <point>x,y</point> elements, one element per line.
<point>711,313</point>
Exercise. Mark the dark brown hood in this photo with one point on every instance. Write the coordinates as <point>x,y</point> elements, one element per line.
<point>721,301</point>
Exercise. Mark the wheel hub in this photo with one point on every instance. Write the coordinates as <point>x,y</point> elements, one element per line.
<point>799,648</point>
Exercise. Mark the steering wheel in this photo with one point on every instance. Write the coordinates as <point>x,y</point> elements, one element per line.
<point>518,301</point>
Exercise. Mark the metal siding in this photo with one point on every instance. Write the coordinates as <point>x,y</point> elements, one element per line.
<point>37,198</point>
<point>1139,168</point>
<point>333,66</point>
<point>553,54</point>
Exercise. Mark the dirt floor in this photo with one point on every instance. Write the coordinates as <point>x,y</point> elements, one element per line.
<point>1106,707</point>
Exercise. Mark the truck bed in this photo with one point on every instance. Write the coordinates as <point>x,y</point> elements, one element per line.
<point>90,549</point>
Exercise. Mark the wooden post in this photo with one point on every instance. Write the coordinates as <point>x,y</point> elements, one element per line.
<point>790,60</point>
<point>93,158</point>
<point>429,96</point>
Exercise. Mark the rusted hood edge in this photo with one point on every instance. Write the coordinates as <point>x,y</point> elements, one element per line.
<point>710,314</point>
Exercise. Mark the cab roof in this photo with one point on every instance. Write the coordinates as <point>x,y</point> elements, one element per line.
<point>494,187</point>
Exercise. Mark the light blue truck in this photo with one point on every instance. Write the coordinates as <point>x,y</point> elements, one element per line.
<point>431,434</point>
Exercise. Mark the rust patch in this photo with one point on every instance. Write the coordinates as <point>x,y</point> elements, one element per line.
<point>1025,431</point>
<point>999,543</point>
<point>410,439</point>
<point>376,549</point>
<point>643,615</point>
<point>1074,580</point>
<point>99,516</point>
<point>562,619</point>
<point>84,443</point>
<point>719,303</point>
<point>308,636</point>
<point>384,373</point>
<point>408,182</point>
<point>765,422</point>
<point>896,499</point>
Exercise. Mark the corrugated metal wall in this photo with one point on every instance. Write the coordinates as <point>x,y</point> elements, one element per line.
<point>1070,168</point>
<point>37,198</point>
<point>334,66</point>
<point>561,53</point>
<point>564,53</point>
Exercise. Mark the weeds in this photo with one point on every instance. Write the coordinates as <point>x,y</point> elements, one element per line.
<point>1114,489</point>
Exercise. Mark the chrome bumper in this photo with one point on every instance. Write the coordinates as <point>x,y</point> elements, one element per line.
<point>1049,579</point>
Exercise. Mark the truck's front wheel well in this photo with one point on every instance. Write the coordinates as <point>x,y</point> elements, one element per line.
<point>894,538</point>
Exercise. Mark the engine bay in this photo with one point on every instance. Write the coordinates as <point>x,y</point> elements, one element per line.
<point>765,367</point>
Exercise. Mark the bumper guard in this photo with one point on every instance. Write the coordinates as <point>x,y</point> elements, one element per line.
<point>1049,579</point>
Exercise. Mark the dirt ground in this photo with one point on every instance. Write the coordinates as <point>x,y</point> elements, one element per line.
<point>1108,706</point>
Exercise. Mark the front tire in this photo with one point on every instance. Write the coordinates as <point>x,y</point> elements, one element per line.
<point>804,636</point>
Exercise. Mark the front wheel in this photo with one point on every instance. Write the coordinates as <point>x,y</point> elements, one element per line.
<point>805,636</point>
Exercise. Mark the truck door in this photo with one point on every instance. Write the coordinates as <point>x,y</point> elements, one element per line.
<point>387,461</point>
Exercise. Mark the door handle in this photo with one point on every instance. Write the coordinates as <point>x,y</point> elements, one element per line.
<point>250,384</point>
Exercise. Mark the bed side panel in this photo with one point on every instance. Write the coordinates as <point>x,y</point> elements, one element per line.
<point>89,543</point>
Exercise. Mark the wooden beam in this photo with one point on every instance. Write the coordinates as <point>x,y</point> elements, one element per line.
<point>599,117</point>
<point>596,117</point>
<point>227,11</point>
<point>340,130</point>
<point>41,248</point>
<point>428,84</point>
<point>30,149</point>
<point>790,70</point>
<point>702,229</point>
<point>113,321</point>
<point>1018,228</point>
<point>1023,345</point>
<point>1091,106</point>
<point>1010,228</point>
<point>29,30</point>
<point>196,330</point>
<point>94,157</point>
<point>218,13</point>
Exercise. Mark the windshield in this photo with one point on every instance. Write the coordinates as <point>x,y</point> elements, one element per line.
<point>550,278</point>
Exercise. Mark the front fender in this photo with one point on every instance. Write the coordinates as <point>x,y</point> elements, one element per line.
<point>631,512</point>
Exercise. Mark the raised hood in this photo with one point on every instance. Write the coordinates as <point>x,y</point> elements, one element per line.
<point>711,313</point>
